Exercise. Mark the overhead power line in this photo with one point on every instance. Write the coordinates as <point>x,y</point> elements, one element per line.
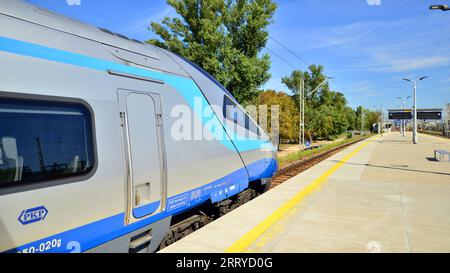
<point>283,59</point>
<point>290,51</point>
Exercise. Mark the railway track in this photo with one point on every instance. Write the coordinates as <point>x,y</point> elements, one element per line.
<point>302,165</point>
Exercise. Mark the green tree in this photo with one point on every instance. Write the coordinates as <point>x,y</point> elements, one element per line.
<point>358,117</point>
<point>321,126</point>
<point>289,117</point>
<point>326,112</point>
<point>225,37</point>
<point>312,78</point>
<point>294,83</point>
<point>351,117</point>
<point>373,117</point>
<point>370,118</point>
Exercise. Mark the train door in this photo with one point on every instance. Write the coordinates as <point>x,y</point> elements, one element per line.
<point>146,179</point>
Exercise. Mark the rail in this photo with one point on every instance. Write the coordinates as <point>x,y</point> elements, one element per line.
<point>301,165</point>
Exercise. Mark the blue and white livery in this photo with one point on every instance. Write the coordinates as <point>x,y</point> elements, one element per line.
<point>90,154</point>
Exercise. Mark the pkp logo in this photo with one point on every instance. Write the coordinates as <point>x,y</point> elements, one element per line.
<point>33,215</point>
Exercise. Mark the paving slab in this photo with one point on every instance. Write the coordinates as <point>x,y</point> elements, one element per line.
<point>382,195</point>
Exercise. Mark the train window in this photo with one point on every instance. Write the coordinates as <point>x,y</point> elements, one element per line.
<point>232,112</point>
<point>43,141</point>
<point>251,126</point>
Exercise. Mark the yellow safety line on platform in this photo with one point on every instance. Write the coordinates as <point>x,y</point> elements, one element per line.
<point>245,241</point>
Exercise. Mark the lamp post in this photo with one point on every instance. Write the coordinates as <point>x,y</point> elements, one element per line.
<point>382,120</point>
<point>302,106</point>
<point>415,136</point>
<point>362,120</point>
<point>403,123</point>
<point>441,7</point>
<point>301,102</point>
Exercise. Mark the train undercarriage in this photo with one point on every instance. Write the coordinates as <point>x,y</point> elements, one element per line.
<point>188,222</point>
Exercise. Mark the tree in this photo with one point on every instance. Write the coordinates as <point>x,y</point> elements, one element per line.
<point>373,117</point>
<point>225,37</point>
<point>321,126</point>
<point>351,117</point>
<point>294,82</point>
<point>289,117</point>
<point>326,112</point>
<point>370,118</point>
<point>360,111</point>
<point>312,79</point>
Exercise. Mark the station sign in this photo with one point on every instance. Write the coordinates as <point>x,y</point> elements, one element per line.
<point>429,115</point>
<point>422,114</point>
<point>400,115</point>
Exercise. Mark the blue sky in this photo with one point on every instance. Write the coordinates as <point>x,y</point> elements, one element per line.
<point>367,48</point>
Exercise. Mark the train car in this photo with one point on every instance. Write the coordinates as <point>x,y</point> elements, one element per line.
<point>95,154</point>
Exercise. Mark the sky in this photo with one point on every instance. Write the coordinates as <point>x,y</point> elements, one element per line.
<point>368,46</point>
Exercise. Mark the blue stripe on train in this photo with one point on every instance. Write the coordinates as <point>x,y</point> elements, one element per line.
<point>145,210</point>
<point>97,233</point>
<point>186,87</point>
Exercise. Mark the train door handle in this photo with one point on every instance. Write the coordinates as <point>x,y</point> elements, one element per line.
<point>140,241</point>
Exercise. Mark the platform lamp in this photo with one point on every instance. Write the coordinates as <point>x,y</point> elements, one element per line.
<point>415,136</point>
<point>403,122</point>
<point>441,7</point>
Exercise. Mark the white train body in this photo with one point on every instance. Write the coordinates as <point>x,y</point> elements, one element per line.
<point>90,159</point>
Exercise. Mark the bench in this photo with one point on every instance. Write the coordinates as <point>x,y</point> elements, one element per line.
<point>440,155</point>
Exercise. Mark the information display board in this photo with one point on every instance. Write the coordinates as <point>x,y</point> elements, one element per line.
<point>400,115</point>
<point>429,115</point>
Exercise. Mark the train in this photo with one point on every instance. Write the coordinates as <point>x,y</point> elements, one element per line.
<point>105,141</point>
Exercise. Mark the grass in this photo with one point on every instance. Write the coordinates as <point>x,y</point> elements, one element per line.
<point>434,133</point>
<point>431,132</point>
<point>300,155</point>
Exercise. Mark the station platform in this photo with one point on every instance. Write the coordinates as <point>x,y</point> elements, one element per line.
<point>383,194</point>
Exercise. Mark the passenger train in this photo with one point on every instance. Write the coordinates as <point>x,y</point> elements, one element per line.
<point>90,154</point>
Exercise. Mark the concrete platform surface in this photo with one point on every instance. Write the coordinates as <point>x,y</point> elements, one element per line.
<point>384,194</point>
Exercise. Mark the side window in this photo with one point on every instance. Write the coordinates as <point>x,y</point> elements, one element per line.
<point>251,126</point>
<point>43,141</point>
<point>232,112</point>
<point>235,114</point>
